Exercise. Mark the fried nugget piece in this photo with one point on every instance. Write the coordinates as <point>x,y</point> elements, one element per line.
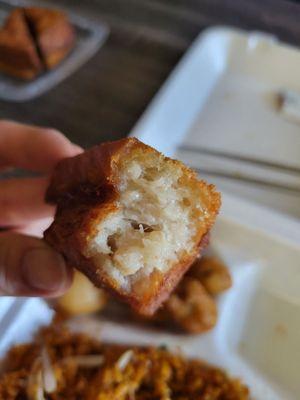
<point>212,273</point>
<point>53,33</point>
<point>130,219</point>
<point>82,297</point>
<point>191,307</point>
<point>18,54</point>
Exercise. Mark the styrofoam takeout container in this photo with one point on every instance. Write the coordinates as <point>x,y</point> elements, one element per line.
<point>220,106</point>
<point>257,335</point>
<point>89,38</point>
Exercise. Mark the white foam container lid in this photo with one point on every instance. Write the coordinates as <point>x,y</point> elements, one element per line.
<point>220,109</point>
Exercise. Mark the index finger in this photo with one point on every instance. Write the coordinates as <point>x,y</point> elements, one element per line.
<point>33,148</point>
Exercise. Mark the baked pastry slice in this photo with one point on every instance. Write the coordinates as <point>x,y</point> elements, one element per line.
<point>130,219</point>
<point>53,33</point>
<point>18,54</point>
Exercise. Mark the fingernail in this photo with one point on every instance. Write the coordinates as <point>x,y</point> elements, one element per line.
<point>44,270</point>
<point>76,149</point>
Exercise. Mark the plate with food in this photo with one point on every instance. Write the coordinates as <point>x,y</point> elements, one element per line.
<point>150,289</point>
<point>41,46</point>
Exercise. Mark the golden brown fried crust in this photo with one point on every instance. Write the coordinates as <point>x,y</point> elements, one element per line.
<point>89,174</point>
<point>164,284</point>
<point>54,34</point>
<point>85,189</point>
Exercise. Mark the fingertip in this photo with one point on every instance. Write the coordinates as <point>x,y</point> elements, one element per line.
<point>59,146</point>
<point>76,149</point>
<point>44,271</point>
<point>65,285</point>
<point>34,148</point>
<point>29,267</point>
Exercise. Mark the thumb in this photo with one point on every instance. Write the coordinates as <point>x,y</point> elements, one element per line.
<point>29,267</point>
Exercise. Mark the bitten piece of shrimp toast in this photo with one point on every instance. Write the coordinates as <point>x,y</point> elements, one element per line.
<point>130,219</point>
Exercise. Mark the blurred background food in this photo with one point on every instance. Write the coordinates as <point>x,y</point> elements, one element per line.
<point>59,364</point>
<point>82,298</point>
<point>34,40</point>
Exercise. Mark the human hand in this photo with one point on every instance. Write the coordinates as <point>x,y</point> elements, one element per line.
<point>28,266</point>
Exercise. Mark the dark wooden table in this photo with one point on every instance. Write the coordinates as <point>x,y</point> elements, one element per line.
<point>104,99</point>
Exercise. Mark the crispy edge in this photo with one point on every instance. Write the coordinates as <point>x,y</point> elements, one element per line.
<point>96,168</point>
<point>84,174</point>
<point>162,285</point>
<point>70,235</point>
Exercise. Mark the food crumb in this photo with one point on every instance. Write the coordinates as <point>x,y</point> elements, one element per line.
<point>281,330</point>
